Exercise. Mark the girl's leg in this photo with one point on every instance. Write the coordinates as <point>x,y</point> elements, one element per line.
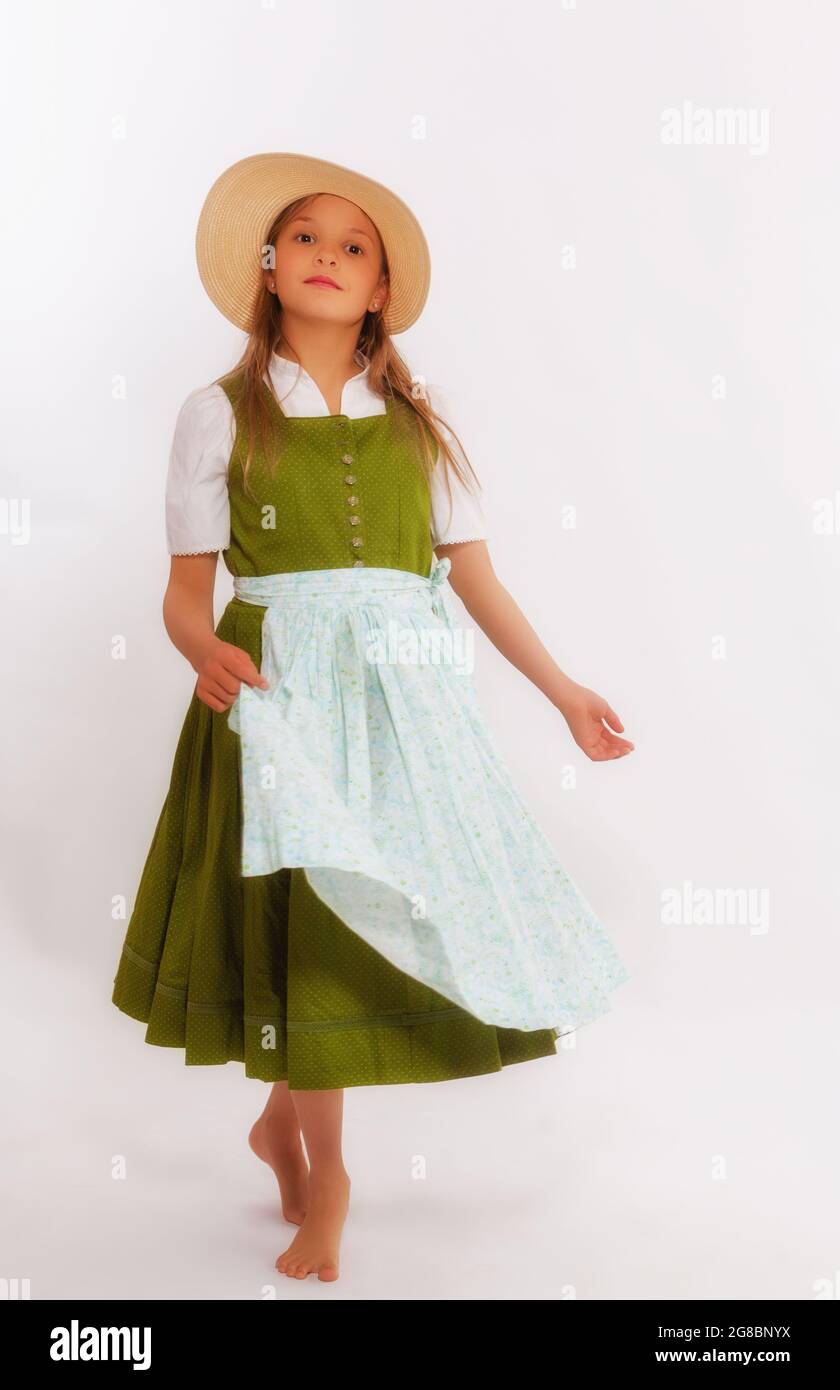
<point>314,1249</point>
<point>275,1138</point>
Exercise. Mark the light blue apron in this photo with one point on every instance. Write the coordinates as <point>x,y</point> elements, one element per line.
<point>368,763</point>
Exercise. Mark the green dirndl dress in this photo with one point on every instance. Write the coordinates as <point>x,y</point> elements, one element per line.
<point>233,964</point>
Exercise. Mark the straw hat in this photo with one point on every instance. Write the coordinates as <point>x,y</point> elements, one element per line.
<point>246,198</point>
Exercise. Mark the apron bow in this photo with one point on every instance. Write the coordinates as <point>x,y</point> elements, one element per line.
<point>440,570</point>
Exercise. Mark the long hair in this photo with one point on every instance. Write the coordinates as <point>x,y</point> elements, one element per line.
<point>388,375</point>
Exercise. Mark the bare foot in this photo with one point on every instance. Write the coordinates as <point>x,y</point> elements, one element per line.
<point>284,1155</point>
<point>314,1249</point>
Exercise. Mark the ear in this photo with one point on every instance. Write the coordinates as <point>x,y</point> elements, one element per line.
<point>380,297</point>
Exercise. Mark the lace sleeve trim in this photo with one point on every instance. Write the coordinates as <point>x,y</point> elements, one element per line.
<point>462,540</point>
<point>205,550</point>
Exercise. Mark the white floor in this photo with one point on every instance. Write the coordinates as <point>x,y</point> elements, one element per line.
<point>660,1157</point>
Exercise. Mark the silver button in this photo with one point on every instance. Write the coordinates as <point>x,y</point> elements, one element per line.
<point>357,540</point>
<point>350,478</point>
<point>354,520</point>
<point>352,501</point>
<point>356,563</point>
<point>346,458</point>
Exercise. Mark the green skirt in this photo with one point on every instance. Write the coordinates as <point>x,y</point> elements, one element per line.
<point>259,970</point>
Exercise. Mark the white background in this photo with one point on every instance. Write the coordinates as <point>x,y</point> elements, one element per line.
<point>687,1145</point>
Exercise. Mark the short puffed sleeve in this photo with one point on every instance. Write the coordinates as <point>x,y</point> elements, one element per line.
<point>197,503</point>
<point>464,517</point>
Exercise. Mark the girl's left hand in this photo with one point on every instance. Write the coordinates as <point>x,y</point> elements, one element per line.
<point>584,713</point>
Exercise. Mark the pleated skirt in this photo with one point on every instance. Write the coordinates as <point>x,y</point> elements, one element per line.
<point>258,970</point>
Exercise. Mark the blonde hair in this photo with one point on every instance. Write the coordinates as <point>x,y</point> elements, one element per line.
<point>388,374</point>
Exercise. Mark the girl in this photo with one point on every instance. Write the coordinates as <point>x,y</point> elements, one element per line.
<point>344,887</point>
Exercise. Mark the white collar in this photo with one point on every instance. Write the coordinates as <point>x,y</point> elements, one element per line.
<point>284,366</point>
<point>299,393</point>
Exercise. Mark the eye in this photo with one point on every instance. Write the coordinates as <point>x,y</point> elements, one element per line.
<point>351,244</point>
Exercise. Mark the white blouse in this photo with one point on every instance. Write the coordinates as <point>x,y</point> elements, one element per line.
<point>197,503</point>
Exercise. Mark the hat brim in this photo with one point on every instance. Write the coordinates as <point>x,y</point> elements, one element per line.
<point>244,201</point>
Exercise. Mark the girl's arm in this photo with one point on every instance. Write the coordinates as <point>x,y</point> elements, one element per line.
<point>188,618</point>
<point>491,606</point>
<point>188,604</point>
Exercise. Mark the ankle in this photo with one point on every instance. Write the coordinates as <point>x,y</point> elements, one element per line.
<point>282,1132</point>
<point>329,1172</point>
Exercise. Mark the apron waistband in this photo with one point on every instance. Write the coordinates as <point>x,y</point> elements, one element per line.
<point>343,583</point>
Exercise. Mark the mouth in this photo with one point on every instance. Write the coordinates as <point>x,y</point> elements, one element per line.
<point>322,280</point>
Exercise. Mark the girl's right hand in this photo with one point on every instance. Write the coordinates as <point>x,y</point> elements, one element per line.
<point>221,671</point>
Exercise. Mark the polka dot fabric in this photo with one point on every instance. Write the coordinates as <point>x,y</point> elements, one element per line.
<point>303,516</point>
<point>259,970</point>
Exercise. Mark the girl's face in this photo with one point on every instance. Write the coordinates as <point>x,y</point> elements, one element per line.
<point>335,240</point>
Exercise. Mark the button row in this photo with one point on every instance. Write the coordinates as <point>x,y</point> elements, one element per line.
<point>354,520</point>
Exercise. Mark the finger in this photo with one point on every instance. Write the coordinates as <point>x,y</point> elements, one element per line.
<point>248,673</point>
<point>612,740</point>
<point>225,681</point>
<point>613,719</point>
<point>240,663</point>
<point>213,687</point>
<point>211,701</point>
<point>609,746</point>
<point>257,679</point>
<point>595,749</point>
<point>607,754</point>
